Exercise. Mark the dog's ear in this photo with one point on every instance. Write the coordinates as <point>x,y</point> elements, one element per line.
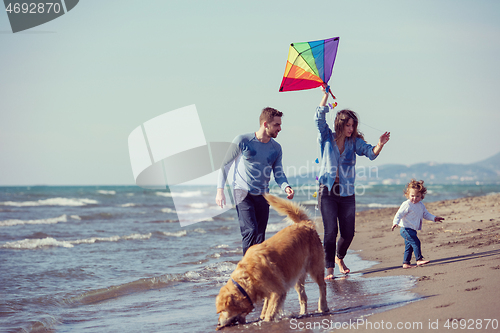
<point>217,305</point>
<point>229,299</point>
<point>222,300</point>
<point>226,298</point>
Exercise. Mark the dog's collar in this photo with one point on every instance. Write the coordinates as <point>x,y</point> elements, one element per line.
<point>240,288</point>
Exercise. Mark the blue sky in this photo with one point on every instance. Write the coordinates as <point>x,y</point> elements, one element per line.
<point>73,89</point>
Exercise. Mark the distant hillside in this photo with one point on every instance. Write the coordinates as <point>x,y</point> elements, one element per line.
<point>484,172</point>
<point>434,173</point>
<point>492,163</point>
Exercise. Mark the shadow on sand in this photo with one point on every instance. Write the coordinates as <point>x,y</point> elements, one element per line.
<point>441,261</point>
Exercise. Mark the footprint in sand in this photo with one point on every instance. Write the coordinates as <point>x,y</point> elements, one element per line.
<point>476,279</point>
<point>444,305</point>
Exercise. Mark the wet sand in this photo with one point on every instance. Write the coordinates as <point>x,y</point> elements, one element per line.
<point>460,286</point>
<point>457,290</point>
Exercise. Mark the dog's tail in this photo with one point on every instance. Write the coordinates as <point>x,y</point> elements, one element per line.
<point>294,211</point>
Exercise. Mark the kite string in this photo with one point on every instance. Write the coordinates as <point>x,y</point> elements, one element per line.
<point>332,118</point>
<point>371,127</point>
<point>335,104</point>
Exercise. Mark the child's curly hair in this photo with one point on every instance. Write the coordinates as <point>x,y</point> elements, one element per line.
<point>417,185</point>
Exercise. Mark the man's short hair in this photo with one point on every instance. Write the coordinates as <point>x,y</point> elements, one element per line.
<point>268,115</point>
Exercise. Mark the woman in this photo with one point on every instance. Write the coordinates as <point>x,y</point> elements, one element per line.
<point>337,174</point>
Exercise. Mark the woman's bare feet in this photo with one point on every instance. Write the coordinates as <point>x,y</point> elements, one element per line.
<point>422,262</point>
<point>329,273</point>
<point>343,268</point>
<point>408,266</point>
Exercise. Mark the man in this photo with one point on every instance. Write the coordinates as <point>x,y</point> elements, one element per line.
<point>256,155</point>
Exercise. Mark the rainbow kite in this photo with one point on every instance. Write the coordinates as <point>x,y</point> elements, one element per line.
<point>309,64</point>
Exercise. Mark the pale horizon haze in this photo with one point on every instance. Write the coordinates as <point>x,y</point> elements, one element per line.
<point>73,89</point>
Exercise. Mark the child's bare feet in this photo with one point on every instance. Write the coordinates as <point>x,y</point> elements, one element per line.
<point>408,266</point>
<point>342,267</point>
<point>422,262</point>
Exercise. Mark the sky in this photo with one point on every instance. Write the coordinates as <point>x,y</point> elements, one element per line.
<point>72,90</point>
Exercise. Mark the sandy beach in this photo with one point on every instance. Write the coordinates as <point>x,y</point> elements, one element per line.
<point>459,286</point>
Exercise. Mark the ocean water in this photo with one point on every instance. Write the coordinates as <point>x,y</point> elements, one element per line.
<point>115,259</point>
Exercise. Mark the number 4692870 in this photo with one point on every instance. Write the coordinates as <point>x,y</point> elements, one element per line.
<point>33,8</point>
<point>471,324</point>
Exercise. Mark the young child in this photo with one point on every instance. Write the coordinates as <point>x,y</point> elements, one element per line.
<point>409,218</point>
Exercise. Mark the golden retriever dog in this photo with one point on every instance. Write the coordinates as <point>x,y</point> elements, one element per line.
<point>268,270</point>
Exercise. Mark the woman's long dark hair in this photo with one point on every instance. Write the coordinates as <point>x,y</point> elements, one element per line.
<point>341,120</point>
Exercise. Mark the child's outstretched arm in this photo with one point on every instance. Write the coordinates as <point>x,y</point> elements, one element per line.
<point>438,219</point>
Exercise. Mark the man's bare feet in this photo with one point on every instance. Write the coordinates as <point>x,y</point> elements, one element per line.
<point>342,267</point>
<point>408,266</point>
<point>329,274</point>
<point>422,262</point>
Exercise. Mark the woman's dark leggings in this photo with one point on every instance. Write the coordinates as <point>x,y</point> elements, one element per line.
<point>335,208</point>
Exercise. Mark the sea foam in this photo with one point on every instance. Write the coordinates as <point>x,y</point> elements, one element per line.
<point>106,192</point>
<point>186,194</point>
<point>175,234</point>
<point>36,243</point>
<point>29,244</point>
<point>51,202</point>
<point>53,220</point>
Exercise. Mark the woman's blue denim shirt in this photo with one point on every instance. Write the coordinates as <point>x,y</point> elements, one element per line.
<point>332,160</point>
